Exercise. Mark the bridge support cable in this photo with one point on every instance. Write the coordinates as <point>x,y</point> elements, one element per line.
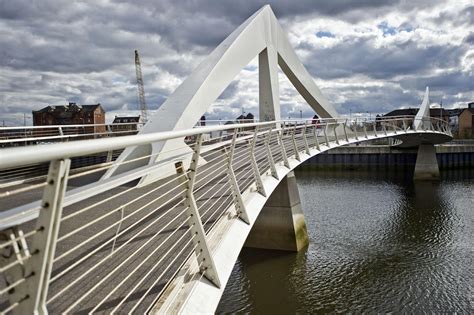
<point>202,250</point>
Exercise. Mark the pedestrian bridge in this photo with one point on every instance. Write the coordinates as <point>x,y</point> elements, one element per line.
<point>160,228</point>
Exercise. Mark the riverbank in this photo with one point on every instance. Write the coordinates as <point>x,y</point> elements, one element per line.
<point>450,156</point>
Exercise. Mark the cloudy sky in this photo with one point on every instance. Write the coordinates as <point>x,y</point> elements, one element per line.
<point>366,56</point>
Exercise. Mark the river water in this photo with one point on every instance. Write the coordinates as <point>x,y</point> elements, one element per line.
<point>378,243</point>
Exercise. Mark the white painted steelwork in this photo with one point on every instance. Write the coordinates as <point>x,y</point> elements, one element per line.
<point>32,135</point>
<point>155,223</point>
<point>106,244</point>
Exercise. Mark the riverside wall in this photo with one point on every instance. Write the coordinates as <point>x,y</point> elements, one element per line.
<point>449,156</point>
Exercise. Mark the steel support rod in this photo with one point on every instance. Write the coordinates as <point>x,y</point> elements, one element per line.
<point>38,268</point>
<point>316,141</point>
<point>345,131</point>
<point>201,248</point>
<point>295,147</point>
<point>283,150</point>
<point>355,129</point>
<point>335,134</point>
<point>234,186</point>
<point>306,146</point>
<point>325,130</point>
<point>273,170</point>
<point>256,172</point>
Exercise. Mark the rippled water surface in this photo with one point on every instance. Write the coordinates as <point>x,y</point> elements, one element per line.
<point>378,243</point>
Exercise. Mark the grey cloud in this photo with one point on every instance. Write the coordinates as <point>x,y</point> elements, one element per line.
<point>359,56</point>
<point>56,50</point>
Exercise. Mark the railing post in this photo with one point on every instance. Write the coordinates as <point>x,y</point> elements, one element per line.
<point>283,150</point>
<point>109,130</point>
<point>316,141</point>
<point>269,154</point>
<point>306,146</point>
<point>38,267</point>
<point>355,129</point>
<point>335,134</point>
<point>19,252</point>
<point>61,133</point>
<point>109,156</point>
<point>295,147</point>
<point>202,251</point>
<point>234,186</point>
<point>384,129</point>
<point>326,134</point>
<point>404,125</point>
<point>256,172</point>
<point>345,131</point>
<point>375,129</point>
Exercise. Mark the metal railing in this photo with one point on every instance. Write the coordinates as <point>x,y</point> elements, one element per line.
<point>72,242</point>
<point>30,135</point>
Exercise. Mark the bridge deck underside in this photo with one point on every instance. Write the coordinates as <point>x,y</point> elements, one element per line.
<point>120,249</point>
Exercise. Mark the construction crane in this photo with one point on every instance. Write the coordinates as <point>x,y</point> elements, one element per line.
<point>141,90</point>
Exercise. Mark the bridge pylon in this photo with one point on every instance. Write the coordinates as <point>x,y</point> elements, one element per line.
<point>281,224</point>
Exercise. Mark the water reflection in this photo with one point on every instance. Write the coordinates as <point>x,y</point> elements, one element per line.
<point>379,243</point>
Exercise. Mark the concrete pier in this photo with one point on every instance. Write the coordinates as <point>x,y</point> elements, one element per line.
<point>281,224</point>
<point>426,167</point>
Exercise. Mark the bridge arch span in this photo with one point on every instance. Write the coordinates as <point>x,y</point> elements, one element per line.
<point>230,235</point>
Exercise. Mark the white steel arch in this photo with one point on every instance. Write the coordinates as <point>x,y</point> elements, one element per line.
<point>261,35</point>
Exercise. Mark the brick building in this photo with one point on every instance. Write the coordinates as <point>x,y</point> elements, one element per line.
<point>466,122</point>
<point>125,124</point>
<point>71,114</point>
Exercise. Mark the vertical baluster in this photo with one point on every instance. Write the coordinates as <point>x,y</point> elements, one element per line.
<point>326,133</point>
<point>316,140</point>
<point>306,146</point>
<point>335,133</point>
<point>295,147</point>
<point>202,250</point>
<point>355,129</point>
<point>234,186</point>
<point>256,172</point>
<point>270,155</point>
<point>282,147</point>
<point>345,131</point>
<point>38,268</point>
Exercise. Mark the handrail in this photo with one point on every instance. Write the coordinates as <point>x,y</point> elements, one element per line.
<point>19,156</point>
<point>66,126</point>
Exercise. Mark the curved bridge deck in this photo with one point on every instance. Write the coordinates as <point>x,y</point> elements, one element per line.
<point>114,246</point>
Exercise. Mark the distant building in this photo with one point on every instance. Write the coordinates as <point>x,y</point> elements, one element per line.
<point>71,114</point>
<point>249,118</point>
<point>125,123</point>
<point>440,113</point>
<point>466,122</point>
